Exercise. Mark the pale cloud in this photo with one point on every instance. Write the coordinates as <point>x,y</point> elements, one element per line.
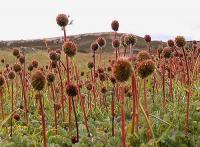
<point>163,19</point>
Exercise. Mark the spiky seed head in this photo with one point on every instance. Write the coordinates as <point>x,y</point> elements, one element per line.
<point>115,43</point>
<point>58,51</point>
<point>53,55</point>
<point>94,46</point>
<point>71,90</point>
<point>50,77</point>
<point>35,63</point>
<point>122,40</point>
<point>38,80</point>
<point>101,41</point>
<point>2,80</point>
<point>11,75</point>
<point>103,90</point>
<point>102,77</point>
<point>21,59</point>
<point>145,68</point>
<point>143,55</point>
<point>115,25</point>
<point>70,48</point>
<point>194,42</point>
<point>113,79</point>
<point>16,52</point>
<point>180,41</point>
<point>100,70</point>
<point>17,67</point>
<point>89,86</point>
<point>167,52</point>
<point>2,60</point>
<point>30,67</point>
<point>62,20</point>
<point>90,64</point>
<point>147,38</point>
<point>130,39</point>
<point>170,43</point>
<point>122,70</point>
<point>16,117</point>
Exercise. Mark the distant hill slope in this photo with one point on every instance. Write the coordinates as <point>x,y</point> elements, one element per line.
<point>83,40</point>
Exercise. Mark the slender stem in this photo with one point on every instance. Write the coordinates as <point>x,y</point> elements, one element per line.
<point>76,120</point>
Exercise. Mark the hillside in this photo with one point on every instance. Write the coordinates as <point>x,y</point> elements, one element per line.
<point>83,41</point>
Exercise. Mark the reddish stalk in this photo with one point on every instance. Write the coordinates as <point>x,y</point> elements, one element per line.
<point>2,102</point>
<point>43,123</point>
<point>113,111</point>
<point>76,120</point>
<point>163,86</point>
<point>187,93</point>
<point>133,82</point>
<point>94,78</point>
<point>123,133</point>
<point>170,88</point>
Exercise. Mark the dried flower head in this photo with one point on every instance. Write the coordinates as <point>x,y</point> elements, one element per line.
<point>145,68</point>
<point>130,40</point>
<point>115,25</point>
<point>50,77</point>
<point>115,43</point>
<point>122,70</point>
<point>2,80</point>
<point>167,52</point>
<point>101,42</point>
<point>143,55</point>
<point>147,38</point>
<point>71,90</point>
<point>38,80</point>
<point>70,48</point>
<point>180,41</point>
<point>11,75</point>
<point>17,67</point>
<point>94,46</point>
<point>62,20</point>
<point>170,43</point>
<point>30,67</point>
<point>90,64</point>
<point>16,52</point>
<point>21,59</point>
<point>35,63</point>
<point>53,55</point>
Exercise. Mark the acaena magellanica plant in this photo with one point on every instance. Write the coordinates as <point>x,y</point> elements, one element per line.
<point>180,43</point>
<point>145,68</point>
<point>38,82</point>
<point>122,71</point>
<point>147,39</point>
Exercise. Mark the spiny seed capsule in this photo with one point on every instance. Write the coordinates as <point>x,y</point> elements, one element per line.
<point>2,60</point>
<point>170,43</point>
<point>147,38</point>
<point>102,77</point>
<point>130,39</point>
<point>30,67</point>
<point>101,42</point>
<point>21,59</point>
<point>71,90</point>
<point>103,90</point>
<point>122,70</point>
<point>94,46</point>
<point>167,52</point>
<point>115,25</point>
<point>2,80</point>
<point>15,52</point>
<point>115,43</point>
<point>145,68</point>
<point>113,79</point>
<point>143,55</point>
<point>16,117</point>
<point>17,67</point>
<point>50,77</point>
<point>62,20</point>
<point>122,40</point>
<point>90,65</point>
<point>100,70</point>
<point>69,48</point>
<point>53,55</point>
<point>89,86</point>
<point>35,63</point>
<point>11,75</point>
<point>180,41</point>
<point>194,42</point>
<point>38,80</point>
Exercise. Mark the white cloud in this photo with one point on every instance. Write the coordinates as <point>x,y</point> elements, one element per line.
<point>26,19</point>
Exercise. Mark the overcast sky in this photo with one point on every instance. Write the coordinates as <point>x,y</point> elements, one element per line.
<point>162,19</point>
